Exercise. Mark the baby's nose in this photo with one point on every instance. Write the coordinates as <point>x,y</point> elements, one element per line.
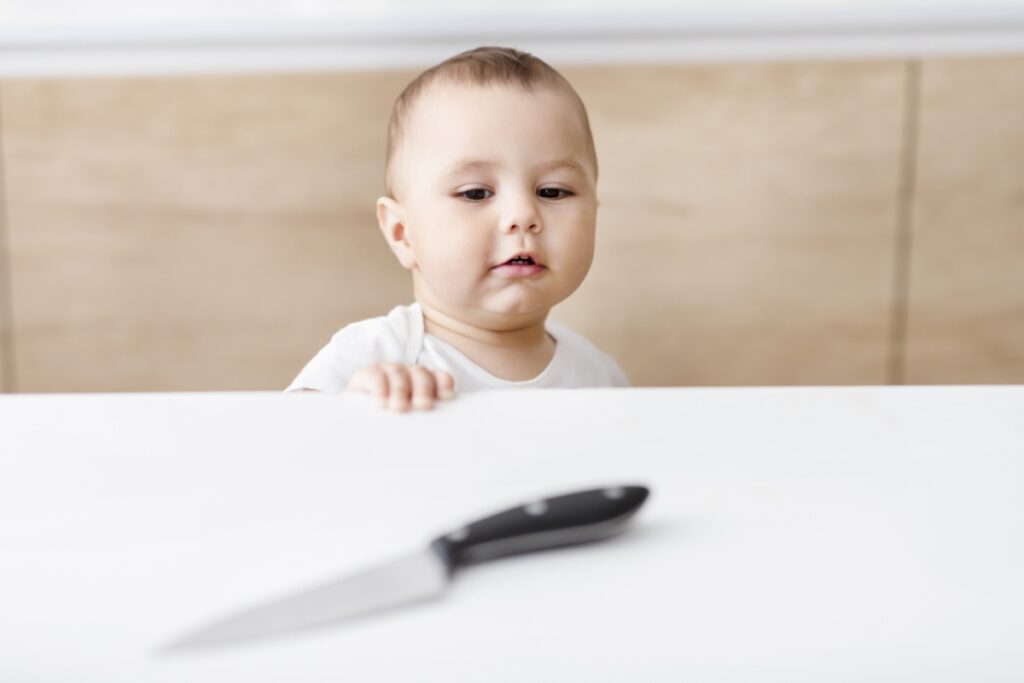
<point>527,226</point>
<point>520,212</point>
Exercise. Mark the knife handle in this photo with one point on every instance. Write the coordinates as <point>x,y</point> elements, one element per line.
<point>563,520</point>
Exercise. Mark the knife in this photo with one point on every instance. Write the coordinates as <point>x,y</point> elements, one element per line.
<point>563,520</point>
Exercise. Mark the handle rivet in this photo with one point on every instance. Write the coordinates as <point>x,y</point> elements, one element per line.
<point>536,508</point>
<point>615,493</point>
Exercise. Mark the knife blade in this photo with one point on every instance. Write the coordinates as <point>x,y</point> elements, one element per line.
<point>563,520</point>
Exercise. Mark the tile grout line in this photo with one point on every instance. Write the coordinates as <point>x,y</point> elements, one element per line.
<point>8,383</point>
<point>904,226</point>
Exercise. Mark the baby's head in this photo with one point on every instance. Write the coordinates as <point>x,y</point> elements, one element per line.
<point>490,158</point>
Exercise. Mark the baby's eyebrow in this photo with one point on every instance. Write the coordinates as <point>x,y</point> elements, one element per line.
<point>561,163</point>
<point>482,165</point>
<point>469,165</point>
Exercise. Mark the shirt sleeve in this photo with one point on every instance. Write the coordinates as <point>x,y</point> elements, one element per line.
<point>592,367</point>
<point>616,376</point>
<point>351,349</point>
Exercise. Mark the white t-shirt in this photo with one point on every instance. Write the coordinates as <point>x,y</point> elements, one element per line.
<point>398,337</point>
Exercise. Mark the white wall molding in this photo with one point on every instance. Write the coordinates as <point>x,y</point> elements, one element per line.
<point>336,40</point>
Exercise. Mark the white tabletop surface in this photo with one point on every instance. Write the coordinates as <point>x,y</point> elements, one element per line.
<point>813,534</point>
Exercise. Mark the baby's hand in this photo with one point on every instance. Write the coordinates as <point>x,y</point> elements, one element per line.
<point>399,387</point>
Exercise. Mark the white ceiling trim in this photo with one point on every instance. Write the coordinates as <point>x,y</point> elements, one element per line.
<point>415,40</point>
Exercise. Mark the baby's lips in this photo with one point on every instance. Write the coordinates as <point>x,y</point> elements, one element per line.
<point>522,255</point>
<point>532,266</point>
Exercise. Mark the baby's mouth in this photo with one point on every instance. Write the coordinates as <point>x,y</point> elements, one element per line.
<point>521,260</point>
<point>520,265</point>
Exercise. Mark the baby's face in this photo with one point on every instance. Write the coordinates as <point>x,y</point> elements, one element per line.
<point>484,175</point>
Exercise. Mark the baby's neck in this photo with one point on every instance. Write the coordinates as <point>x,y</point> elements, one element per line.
<point>517,354</point>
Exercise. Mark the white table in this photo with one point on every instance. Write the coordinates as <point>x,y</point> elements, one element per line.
<point>815,534</point>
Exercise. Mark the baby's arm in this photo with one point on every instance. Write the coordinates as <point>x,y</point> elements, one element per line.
<point>399,387</point>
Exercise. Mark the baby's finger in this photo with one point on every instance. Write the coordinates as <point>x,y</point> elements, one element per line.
<point>399,386</point>
<point>422,387</point>
<point>445,384</point>
<point>373,381</point>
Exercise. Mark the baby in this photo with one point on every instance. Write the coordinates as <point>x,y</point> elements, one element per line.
<point>491,204</point>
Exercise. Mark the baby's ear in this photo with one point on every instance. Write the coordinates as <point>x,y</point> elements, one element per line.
<point>391,218</point>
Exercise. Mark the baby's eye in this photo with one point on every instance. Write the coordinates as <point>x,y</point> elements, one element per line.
<point>476,194</point>
<point>553,193</point>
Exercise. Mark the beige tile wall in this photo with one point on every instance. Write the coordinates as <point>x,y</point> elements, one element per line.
<point>747,221</point>
<point>192,233</point>
<point>6,360</point>
<point>6,331</point>
<point>966,314</point>
<point>212,232</point>
<point>6,324</point>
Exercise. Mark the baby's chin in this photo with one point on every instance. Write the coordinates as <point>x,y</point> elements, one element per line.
<point>507,308</point>
<point>511,318</point>
<point>498,316</point>
<point>520,301</point>
<point>503,314</point>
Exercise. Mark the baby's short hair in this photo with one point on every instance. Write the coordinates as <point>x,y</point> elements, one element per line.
<point>482,66</point>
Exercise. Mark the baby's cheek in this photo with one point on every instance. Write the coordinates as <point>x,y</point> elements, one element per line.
<point>577,252</point>
<point>453,273</point>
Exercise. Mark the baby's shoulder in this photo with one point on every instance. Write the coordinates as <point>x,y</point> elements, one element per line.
<point>592,363</point>
<point>391,338</point>
<point>572,341</point>
<point>386,339</point>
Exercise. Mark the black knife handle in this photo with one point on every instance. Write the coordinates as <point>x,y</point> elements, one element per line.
<point>546,523</point>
